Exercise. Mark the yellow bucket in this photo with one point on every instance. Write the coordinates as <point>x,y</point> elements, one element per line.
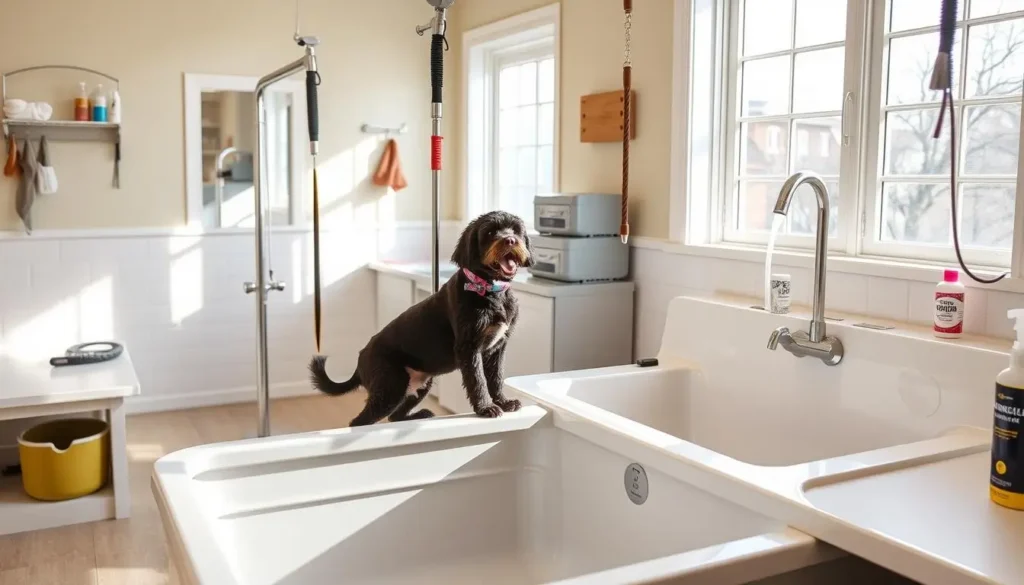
<point>64,459</point>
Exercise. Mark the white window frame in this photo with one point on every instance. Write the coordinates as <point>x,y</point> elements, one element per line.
<point>483,50</point>
<point>698,210</point>
<point>194,86</point>
<point>535,51</point>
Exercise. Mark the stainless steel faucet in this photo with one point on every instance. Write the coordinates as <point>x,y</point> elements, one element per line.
<point>814,342</point>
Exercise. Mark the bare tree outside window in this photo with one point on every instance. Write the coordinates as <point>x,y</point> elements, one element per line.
<point>915,183</point>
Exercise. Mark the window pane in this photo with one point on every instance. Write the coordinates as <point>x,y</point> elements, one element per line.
<point>507,127</point>
<point>756,202</point>
<point>909,146</point>
<point>915,213</point>
<point>507,161</point>
<point>803,211</point>
<point>546,124</point>
<point>527,167</point>
<point>508,87</point>
<point>527,125</point>
<point>995,58</point>
<point>908,14</point>
<point>765,148</point>
<point>528,83</point>
<point>820,21</point>
<point>767,26</point>
<point>821,154</point>
<point>546,83</point>
<point>765,87</point>
<point>818,86</point>
<point>992,136</point>
<point>911,60</point>
<point>545,169</point>
<point>987,215</point>
<point>990,7</point>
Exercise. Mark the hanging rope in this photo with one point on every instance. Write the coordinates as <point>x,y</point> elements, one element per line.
<point>627,87</point>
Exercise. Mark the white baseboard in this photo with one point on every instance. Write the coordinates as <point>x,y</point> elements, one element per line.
<point>142,404</point>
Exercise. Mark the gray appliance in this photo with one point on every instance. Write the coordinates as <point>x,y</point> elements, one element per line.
<point>579,259</point>
<point>577,214</point>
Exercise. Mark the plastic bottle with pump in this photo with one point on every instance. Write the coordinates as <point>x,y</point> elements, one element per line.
<point>99,105</point>
<point>1006,482</point>
<point>82,104</point>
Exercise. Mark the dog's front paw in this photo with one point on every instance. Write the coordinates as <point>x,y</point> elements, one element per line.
<point>489,411</point>
<point>509,404</point>
<point>420,414</point>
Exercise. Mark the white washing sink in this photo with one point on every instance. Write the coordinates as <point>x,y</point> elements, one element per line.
<point>514,500</point>
<point>717,386</point>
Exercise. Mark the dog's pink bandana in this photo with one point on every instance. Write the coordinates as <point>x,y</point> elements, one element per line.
<point>481,286</point>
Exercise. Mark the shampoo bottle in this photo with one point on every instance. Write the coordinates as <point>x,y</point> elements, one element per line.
<point>949,306</point>
<point>115,107</point>
<point>82,104</point>
<point>1006,483</point>
<point>99,105</point>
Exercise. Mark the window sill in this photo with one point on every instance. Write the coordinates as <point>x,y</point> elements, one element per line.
<point>864,266</point>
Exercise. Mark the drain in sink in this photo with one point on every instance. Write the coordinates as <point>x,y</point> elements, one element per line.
<point>636,483</point>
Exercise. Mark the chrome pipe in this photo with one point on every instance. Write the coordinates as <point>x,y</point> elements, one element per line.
<point>263,283</point>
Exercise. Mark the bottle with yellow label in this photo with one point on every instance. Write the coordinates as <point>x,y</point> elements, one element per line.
<point>1006,484</point>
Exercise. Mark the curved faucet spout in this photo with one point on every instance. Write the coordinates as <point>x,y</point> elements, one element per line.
<point>817,329</point>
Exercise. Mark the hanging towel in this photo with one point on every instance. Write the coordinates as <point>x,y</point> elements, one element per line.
<point>11,168</point>
<point>47,179</point>
<point>26,196</point>
<point>389,171</point>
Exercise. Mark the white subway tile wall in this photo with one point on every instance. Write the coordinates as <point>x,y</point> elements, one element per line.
<point>177,303</point>
<point>661,276</point>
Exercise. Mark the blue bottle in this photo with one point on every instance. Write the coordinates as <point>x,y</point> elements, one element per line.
<point>99,104</point>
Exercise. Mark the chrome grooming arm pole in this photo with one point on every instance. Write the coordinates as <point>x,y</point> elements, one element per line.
<point>264,282</point>
<point>439,25</point>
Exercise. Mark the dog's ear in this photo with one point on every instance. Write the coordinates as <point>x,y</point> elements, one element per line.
<point>529,250</point>
<point>467,251</point>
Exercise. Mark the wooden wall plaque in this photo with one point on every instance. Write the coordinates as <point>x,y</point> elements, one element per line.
<point>601,116</point>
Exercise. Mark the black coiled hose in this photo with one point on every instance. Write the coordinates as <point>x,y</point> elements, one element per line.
<point>436,67</point>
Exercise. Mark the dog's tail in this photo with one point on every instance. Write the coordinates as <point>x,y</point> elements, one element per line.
<point>322,382</point>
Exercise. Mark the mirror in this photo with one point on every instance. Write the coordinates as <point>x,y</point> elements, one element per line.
<point>220,143</point>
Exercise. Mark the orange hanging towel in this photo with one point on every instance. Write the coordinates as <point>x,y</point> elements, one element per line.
<point>389,171</point>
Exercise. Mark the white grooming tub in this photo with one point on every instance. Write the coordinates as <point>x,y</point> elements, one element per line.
<point>514,500</point>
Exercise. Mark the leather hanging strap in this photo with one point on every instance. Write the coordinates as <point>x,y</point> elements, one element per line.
<point>627,87</point>
<point>316,258</point>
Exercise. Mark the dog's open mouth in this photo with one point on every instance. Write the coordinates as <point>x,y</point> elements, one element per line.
<point>508,264</point>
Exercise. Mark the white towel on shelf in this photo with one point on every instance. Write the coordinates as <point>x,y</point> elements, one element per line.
<point>16,109</point>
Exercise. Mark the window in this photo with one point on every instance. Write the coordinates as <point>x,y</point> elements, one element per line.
<point>511,146</point>
<point>526,130</point>
<point>840,88</point>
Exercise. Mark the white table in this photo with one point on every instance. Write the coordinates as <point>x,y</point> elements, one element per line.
<point>34,388</point>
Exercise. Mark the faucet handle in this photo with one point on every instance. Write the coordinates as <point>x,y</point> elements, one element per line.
<point>773,339</point>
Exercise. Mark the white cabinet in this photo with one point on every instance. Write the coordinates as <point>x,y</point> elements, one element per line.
<point>561,327</point>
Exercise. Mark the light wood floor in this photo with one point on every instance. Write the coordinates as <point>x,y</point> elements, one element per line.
<point>131,551</point>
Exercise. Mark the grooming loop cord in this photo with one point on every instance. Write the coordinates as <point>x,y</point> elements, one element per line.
<point>627,85</point>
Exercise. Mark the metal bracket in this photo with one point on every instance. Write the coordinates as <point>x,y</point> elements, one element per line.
<point>250,287</point>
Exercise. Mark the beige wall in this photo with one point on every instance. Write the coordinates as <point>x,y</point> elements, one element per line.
<point>591,61</point>
<point>374,69</point>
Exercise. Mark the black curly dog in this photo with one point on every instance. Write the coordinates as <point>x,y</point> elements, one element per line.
<point>464,325</point>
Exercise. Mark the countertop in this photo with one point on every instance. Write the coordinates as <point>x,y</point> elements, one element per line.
<point>523,282</point>
<point>941,507</point>
<point>26,383</point>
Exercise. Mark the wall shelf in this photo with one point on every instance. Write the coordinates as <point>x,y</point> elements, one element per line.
<point>62,130</point>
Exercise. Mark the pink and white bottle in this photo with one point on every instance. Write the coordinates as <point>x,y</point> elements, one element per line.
<point>949,306</point>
